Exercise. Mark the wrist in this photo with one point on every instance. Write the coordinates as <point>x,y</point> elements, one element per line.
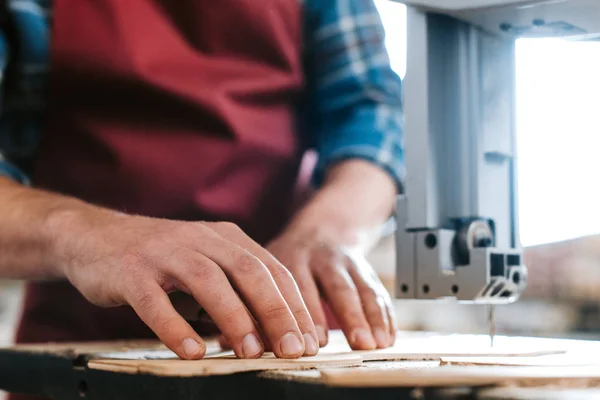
<point>357,193</point>
<point>356,199</point>
<point>69,230</point>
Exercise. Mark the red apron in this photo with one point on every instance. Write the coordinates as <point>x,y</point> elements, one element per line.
<point>178,109</point>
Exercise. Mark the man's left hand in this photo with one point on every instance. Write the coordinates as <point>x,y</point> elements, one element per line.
<point>323,267</point>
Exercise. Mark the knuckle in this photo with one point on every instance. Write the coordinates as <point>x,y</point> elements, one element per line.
<point>205,228</point>
<point>354,317</point>
<point>233,316</point>
<point>165,325</point>
<point>302,315</point>
<point>201,271</point>
<point>228,227</point>
<point>280,272</point>
<point>370,298</point>
<point>342,287</point>
<point>143,298</point>
<point>276,312</point>
<point>370,295</point>
<point>247,264</point>
<point>185,230</point>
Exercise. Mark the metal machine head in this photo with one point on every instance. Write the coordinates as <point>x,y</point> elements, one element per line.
<point>460,264</point>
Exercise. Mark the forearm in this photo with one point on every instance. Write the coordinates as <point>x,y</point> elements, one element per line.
<point>31,229</point>
<point>356,198</point>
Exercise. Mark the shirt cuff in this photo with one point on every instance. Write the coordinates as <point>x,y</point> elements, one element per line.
<point>391,161</point>
<point>9,170</point>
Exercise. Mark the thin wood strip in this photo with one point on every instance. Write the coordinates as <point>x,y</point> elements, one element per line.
<point>455,376</point>
<point>222,366</point>
<point>562,360</point>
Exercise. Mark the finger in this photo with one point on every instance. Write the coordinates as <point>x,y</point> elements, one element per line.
<point>257,287</point>
<point>292,294</point>
<point>391,313</point>
<point>373,304</point>
<point>210,287</point>
<point>153,306</point>
<point>342,296</point>
<point>393,326</point>
<point>312,298</point>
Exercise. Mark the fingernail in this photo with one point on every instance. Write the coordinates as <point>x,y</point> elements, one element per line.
<point>251,346</point>
<point>290,345</point>
<point>191,347</point>
<point>310,345</point>
<point>363,340</point>
<point>322,334</point>
<point>381,337</point>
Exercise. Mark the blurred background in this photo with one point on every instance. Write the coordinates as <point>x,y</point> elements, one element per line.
<point>559,195</point>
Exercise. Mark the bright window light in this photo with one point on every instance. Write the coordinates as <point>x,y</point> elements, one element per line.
<point>558,120</point>
<point>393,16</point>
<point>558,130</point>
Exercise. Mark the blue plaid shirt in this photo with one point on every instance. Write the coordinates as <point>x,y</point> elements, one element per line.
<point>353,107</point>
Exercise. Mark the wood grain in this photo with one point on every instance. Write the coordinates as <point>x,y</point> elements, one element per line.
<point>561,360</point>
<point>337,353</point>
<point>471,376</point>
<point>223,365</point>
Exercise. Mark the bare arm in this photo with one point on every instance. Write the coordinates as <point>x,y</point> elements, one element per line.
<point>356,198</point>
<point>29,230</point>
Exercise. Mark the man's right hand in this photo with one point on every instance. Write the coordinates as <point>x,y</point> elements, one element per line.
<point>115,259</point>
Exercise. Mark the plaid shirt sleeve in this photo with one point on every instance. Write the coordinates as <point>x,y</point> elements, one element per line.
<point>355,98</point>
<point>24,58</point>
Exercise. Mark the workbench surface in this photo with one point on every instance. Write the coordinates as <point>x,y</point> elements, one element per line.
<point>120,370</point>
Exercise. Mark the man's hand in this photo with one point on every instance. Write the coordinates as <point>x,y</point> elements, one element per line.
<point>250,296</point>
<point>116,259</point>
<point>347,282</point>
<point>323,249</point>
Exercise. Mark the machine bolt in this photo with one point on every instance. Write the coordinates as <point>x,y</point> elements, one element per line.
<point>430,240</point>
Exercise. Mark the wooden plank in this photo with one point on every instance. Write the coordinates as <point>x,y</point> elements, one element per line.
<point>562,360</point>
<point>121,348</point>
<point>223,365</point>
<point>336,354</point>
<point>447,376</point>
<point>538,393</point>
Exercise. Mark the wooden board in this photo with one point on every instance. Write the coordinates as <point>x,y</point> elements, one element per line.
<point>337,354</point>
<point>562,360</point>
<point>513,362</point>
<point>538,393</point>
<point>223,365</point>
<point>470,376</point>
